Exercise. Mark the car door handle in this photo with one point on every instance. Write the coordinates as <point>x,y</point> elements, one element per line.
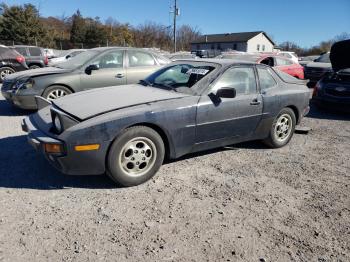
<point>119,76</point>
<point>255,102</point>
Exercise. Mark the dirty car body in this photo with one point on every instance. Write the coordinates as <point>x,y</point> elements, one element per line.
<point>188,118</point>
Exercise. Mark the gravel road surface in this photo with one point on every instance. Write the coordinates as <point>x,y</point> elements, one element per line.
<point>241,203</point>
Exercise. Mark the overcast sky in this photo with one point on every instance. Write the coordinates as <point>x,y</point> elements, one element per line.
<point>306,22</point>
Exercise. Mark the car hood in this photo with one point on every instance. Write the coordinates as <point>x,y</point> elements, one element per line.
<point>36,72</point>
<point>319,65</point>
<point>340,55</point>
<point>87,104</point>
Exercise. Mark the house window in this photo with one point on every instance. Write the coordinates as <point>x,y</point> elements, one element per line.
<point>258,47</point>
<point>219,46</point>
<point>212,46</point>
<point>263,47</point>
<point>198,47</point>
<point>234,46</point>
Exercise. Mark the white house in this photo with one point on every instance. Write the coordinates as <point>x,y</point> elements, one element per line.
<point>245,42</point>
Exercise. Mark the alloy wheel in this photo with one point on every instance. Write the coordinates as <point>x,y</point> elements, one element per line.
<point>138,156</point>
<point>57,93</point>
<point>283,127</point>
<point>5,72</point>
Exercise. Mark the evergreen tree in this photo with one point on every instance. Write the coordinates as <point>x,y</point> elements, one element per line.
<point>78,30</point>
<point>21,24</point>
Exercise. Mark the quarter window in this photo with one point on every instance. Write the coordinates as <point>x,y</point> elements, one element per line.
<point>137,58</point>
<point>240,78</point>
<point>34,51</point>
<point>265,78</point>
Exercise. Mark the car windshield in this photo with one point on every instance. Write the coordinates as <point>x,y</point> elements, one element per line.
<point>78,60</point>
<point>179,78</point>
<point>323,58</point>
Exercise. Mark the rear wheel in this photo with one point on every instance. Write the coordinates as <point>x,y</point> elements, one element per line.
<point>4,71</point>
<point>54,92</point>
<point>34,67</point>
<point>282,129</point>
<point>135,156</point>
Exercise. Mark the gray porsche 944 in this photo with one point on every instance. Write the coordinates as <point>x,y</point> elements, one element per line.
<point>187,106</point>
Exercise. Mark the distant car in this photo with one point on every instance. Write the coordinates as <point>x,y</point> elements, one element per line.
<point>304,60</point>
<point>181,55</point>
<point>10,62</point>
<point>333,90</point>
<point>50,53</point>
<point>185,107</point>
<point>35,56</point>
<point>64,56</point>
<point>209,53</point>
<point>290,55</point>
<point>314,71</point>
<point>284,64</point>
<point>99,67</point>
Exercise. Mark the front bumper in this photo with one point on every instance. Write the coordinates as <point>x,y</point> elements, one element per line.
<point>70,162</point>
<point>26,102</point>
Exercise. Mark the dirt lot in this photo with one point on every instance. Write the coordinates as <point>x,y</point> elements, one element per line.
<point>241,203</point>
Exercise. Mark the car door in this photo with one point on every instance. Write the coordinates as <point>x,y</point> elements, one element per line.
<point>230,118</point>
<point>140,64</point>
<point>111,71</point>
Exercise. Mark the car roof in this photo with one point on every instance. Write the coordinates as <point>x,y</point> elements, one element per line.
<point>27,46</point>
<point>223,62</point>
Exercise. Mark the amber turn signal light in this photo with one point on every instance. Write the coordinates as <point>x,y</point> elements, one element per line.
<point>53,148</point>
<point>87,147</point>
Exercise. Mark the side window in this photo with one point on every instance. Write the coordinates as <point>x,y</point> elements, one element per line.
<point>21,50</point>
<point>138,58</point>
<point>33,51</point>
<point>263,47</point>
<point>240,78</point>
<point>258,47</point>
<point>265,78</point>
<point>283,62</point>
<point>113,59</point>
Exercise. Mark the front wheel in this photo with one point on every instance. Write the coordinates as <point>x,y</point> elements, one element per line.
<point>282,129</point>
<point>135,156</point>
<point>54,92</point>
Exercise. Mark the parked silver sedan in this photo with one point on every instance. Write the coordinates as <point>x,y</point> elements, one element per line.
<point>99,67</point>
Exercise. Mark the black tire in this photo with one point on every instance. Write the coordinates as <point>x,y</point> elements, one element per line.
<point>48,93</point>
<point>34,67</point>
<point>274,140</point>
<point>4,71</point>
<point>118,153</point>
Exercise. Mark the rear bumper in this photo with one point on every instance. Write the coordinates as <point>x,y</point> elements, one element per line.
<point>70,162</point>
<point>332,103</point>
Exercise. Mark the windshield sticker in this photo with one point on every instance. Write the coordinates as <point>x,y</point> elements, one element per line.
<point>197,71</point>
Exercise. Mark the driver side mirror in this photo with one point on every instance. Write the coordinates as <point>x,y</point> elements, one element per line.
<point>90,68</point>
<point>68,56</point>
<point>226,92</point>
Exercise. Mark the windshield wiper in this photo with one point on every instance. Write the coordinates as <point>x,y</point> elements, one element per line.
<point>145,82</point>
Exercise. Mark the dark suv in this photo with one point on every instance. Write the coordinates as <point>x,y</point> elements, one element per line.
<point>35,56</point>
<point>10,62</point>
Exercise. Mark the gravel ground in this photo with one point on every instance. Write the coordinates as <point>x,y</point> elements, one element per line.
<point>240,203</point>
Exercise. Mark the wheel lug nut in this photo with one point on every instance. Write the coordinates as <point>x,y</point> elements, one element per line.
<point>143,151</point>
<point>135,151</point>
<point>132,158</point>
<point>143,158</point>
<point>137,163</point>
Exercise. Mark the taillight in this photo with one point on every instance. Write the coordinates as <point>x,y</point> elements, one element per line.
<point>46,60</point>
<point>20,59</point>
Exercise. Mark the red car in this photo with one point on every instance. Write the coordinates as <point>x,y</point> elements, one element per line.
<point>284,64</point>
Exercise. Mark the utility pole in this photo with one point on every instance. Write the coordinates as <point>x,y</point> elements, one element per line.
<point>176,13</point>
